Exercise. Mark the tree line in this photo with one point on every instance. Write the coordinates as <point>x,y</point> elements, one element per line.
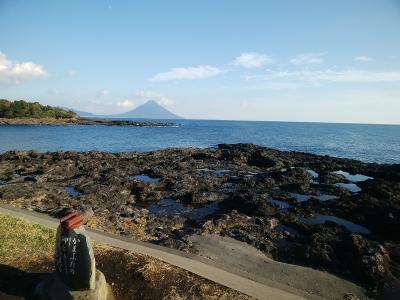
<point>24,109</point>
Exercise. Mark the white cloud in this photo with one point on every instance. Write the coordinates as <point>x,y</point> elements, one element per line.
<point>363,58</point>
<point>54,92</point>
<point>161,99</point>
<point>285,85</point>
<point>308,58</point>
<point>12,72</point>
<point>104,92</point>
<point>126,103</point>
<point>338,76</point>
<point>92,105</point>
<point>252,60</point>
<point>189,73</point>
<point>72,73</point>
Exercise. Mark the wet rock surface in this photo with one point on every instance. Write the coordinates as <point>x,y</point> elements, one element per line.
<point>241,191</point>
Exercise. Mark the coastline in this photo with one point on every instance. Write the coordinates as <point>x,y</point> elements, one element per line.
<point>296,207</point>
<point>81,121</point>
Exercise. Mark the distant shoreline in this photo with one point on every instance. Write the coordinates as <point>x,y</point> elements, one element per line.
<point>81,121</point>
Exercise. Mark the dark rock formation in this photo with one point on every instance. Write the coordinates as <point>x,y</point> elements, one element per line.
<point>290,205</point>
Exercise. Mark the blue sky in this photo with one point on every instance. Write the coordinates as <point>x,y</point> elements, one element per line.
<point>336,61</point>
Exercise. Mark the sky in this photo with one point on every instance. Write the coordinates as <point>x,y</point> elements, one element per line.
<point>314,61</point>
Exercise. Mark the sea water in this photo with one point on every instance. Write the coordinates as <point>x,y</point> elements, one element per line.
<point>369,143</point>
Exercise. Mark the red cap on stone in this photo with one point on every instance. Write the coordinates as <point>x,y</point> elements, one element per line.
<point>72,221</point>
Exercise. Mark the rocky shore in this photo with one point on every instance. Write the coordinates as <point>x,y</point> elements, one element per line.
<point>337,215</point>
<point>81,121</point>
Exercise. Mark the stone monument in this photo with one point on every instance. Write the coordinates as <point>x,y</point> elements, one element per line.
<point>75,262</point>
<point>76,276</point>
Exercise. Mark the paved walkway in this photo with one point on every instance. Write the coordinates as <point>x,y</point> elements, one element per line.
<point>189,262</point>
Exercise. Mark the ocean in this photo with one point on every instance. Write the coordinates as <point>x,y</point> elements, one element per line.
<point>369,143</point>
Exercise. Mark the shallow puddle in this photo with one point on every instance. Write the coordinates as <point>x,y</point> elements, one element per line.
<point>320,219</point>
<point>252,173</point>
<point>325,197</point>
<point>168,207</point>
<point>303,198</point>
<point>216,173</point>
<point>313,174</point>
<point>300,197</point>
<point>202,212</point>
<point>171,207</point>
<point>248,174</point>
<point>353,178</point>
<point>281,204</point>
<point>350,187</point>
<point>221,173</point>
<point>145,178</point>
<point>229,187</point>
<point>72,191</point>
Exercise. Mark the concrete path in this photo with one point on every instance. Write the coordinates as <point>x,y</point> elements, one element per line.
<point>180,259</point>
<point>245,260</point>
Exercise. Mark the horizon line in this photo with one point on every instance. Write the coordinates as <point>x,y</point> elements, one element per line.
<point>246,120</point>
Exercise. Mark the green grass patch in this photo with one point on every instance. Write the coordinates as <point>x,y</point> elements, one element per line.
<point>20,238</point>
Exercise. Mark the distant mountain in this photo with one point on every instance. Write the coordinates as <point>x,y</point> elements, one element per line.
<point>149,110</point>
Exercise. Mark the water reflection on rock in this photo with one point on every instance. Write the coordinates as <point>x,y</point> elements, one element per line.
<point>350,187</point>
<point>229,187</point>
<point>303,197</point>
<point>172,207</point>
<point>321,219</point>
<point>281,204</point>
<point>353,178</point>
<point>145,178</point>
<point>313,174</point>
<point>214,173</point>
<point>72,191</point>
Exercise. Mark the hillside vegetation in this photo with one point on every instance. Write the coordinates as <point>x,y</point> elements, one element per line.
<point>24,109</point>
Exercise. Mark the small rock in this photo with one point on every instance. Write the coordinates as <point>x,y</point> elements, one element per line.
<point>350,297</point>
<point>272,223</point>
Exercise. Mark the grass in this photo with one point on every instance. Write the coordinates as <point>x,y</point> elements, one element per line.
<point>22,241</point>
<point>29,247</point>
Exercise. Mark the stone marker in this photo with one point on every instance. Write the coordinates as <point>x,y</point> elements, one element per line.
<point>76,277</point>
<point>75,262</point>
